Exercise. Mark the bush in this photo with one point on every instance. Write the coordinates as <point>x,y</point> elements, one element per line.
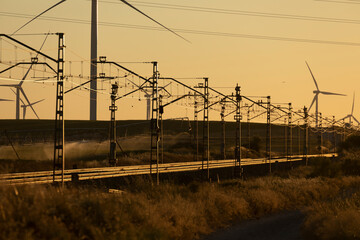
<point>351,144</point>
<point>339,219</point>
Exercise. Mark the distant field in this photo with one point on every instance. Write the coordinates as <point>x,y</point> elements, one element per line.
<point>87,142</point>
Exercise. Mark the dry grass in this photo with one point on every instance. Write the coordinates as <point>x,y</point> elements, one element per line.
<point>339,219</point>
<point>168,211</point>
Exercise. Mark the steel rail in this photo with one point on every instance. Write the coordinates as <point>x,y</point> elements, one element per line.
<point>111,172</point>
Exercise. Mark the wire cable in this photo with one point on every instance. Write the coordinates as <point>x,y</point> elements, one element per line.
<point>190,31</point>
<point>241,12</point>
<point>336,1</point>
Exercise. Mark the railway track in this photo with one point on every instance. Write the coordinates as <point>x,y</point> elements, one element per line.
<point>43,177</point>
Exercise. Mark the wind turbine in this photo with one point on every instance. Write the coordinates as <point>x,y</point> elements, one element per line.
<point>24,106</point>
<point>93,51</point>
<point>19,90</point>
<point>351,116</point>
<point>317,92</point>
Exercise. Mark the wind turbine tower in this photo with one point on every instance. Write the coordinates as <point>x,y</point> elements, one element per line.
<point>93,62</point>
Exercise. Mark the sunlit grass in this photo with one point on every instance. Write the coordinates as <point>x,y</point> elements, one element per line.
<point>143,211</point>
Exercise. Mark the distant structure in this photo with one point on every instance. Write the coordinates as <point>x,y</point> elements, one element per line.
<point>316,97</point>
<point>24,106</point>
<point>93,62</point>
<point>148,105</point>
<point>351,116</point>
<point>19,90</point>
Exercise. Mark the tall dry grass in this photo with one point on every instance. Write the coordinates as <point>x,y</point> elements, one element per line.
<point>167,211</point>
<point>338,219</point>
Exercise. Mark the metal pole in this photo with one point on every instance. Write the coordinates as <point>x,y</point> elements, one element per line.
<point>344,130</point>
<point>299,150</point>
<point>321,135</point>
<point>285,137</point>
<point>113,109</point>
<point>17,103</point>
<point>306,135</point>
<point>290,144</point>
<point>206,130</point>
<point>334,133</point>
<point>196,135</point>
<point>154,124</point>
<point>59,150</point>
<point>93,60</point>
<point>161,111</point>
<point>223,134</point>
<point>237,167</point>
<point>248,130</point>
<point>268,132</point>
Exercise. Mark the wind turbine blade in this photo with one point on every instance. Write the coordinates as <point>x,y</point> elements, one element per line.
<point>356,120</point>
<point>312,103</point>
<point>317,87</point>
<point>22,91</point>
<point>343,118</point>
<point>136,9</point>
<point>39,15</point>
<point>28,71</point>
<point>5,100</point>
<point>330,93</point>
<point>37,101</point>
<point>20,98</point>
<point>352,109</point>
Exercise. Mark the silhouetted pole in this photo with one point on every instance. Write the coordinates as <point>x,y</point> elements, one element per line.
<point>268,132</point>
<point>344,130</point>
<point>306,135</point>
<point>196,135</point>
<point>161,125</point>
<point>59,148</point>
<point>334,134</point>
<point>248,128</point>
<point>299,146</point>
<point>223,133</point>
<point>238,169</point>
<point>93,60</point>
<point>154,123</point>
<point>321,134</point>
<point>285,138</point>
<point>206,129</point>
<point>290,140</point>
<point>113,109</point>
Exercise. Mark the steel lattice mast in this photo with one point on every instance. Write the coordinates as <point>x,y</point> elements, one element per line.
<point>59,151</point>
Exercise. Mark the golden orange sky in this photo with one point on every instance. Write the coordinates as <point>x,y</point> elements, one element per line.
<point>260,66</point>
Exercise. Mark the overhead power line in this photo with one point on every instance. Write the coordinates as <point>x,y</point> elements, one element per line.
<point>189,31</point>
<point>152,19</point>
<point>337,1</point>
<point>43,12</point>
<point>241,12</point>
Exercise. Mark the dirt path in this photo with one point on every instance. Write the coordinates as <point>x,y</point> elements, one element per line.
<point>286,225</point>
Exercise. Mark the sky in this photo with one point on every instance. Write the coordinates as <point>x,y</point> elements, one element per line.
<point>241,42</point>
